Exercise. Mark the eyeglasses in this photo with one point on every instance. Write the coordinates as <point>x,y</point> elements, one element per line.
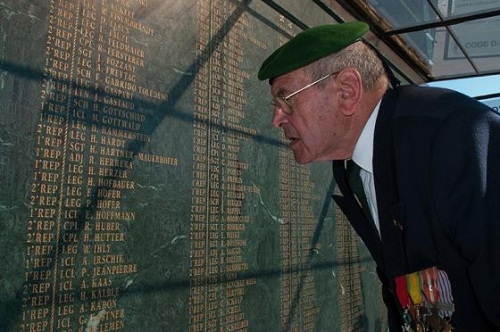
<point>281,102</point>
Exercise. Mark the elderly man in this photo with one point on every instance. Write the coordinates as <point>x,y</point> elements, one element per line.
<point>428,164</point>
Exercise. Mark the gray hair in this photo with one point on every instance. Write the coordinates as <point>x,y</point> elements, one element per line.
<point>358,56</point>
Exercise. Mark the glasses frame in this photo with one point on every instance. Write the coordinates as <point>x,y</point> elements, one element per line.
<point>274,103</point>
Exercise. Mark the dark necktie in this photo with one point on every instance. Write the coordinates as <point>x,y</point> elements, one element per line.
<point>354,180</point>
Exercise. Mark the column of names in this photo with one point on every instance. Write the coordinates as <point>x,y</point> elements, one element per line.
<point>75,263</point>
<point>217,216</point>
<point>199,251</point>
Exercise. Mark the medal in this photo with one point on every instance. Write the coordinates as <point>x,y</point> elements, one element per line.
<point>426,299</point>
<point>447,327</point>
<point>434,322</point>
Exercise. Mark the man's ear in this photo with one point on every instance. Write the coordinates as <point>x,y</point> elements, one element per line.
<point>350,90</point>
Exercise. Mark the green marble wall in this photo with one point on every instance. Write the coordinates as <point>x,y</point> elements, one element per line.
<point>142,186</point>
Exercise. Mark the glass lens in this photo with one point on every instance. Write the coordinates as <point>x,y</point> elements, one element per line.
<point>280,103</point>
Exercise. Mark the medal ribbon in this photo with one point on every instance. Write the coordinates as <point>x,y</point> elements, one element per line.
<point>425,297</point>
<point>430,284</point>
<point>446,296</point>
<point>402,292</point>
<point>414,288</point>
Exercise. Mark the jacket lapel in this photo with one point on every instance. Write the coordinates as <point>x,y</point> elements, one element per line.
<point>389,207</point>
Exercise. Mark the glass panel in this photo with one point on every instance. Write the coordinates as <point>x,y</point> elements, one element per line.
<point>431,45</point>
<point>406,12</point>
<point>454,8</point>
<point>422,42</point>
<point>479,38</point>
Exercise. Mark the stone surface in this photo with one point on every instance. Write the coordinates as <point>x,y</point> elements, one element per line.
<point>143,187</point>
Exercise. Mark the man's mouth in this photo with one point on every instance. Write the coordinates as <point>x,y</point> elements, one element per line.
<point>293,140</point>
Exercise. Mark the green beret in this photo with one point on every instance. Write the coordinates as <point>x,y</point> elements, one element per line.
<point>311,45</point>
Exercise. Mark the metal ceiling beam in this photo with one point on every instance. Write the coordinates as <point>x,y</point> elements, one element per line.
<point>445,22</point>
<point>490,96</point>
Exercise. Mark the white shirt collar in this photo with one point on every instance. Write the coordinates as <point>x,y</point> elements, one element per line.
<point>363,150</point>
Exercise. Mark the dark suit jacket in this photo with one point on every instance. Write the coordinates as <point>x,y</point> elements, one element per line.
<point>437,178</point>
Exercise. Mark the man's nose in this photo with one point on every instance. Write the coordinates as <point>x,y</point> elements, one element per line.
<point>279,117</point>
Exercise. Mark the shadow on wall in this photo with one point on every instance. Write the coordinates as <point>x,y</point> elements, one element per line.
<point>155,116</point>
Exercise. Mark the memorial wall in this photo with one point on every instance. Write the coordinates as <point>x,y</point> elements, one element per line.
<point>143,187</point>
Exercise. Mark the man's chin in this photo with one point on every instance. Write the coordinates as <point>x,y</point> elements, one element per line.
<point>300,159</point>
